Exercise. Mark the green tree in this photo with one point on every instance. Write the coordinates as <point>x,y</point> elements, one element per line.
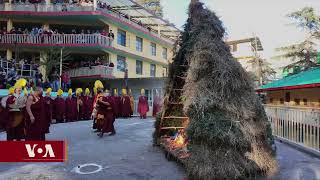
<point>51,59</point>
<point>303,54</point>
<point>152,5</point>
<point>262,72</point>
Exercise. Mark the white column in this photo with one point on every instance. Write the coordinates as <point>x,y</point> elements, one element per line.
<point>159,30</point>
<point>95,5</point>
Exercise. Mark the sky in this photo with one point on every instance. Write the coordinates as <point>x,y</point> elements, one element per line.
<point>245,18</point>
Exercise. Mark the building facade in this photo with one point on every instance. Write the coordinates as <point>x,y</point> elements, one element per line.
<point>77,36</point>
<point>299,90</point>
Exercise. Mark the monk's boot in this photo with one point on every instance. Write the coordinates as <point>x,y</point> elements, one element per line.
<point>112,134</point>
<point>100,134</point>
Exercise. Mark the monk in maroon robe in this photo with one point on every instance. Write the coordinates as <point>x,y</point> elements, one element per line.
<point>36,122</point>
<point>48,109</point>
<point>125,105</point>
<point>79,107</point>
<point>156,105</point>
<point>100,108</point>
<point>16,121</point>
<point>87,107</point>
<point>4,116</point>
<point>107,103</point>
<point>59,108</point>
<point>71,109</point>
<point>117,104</point>
<point>143,106</point>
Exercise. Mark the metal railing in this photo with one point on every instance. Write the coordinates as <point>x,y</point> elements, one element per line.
<point>45,7</point>
<point>101,70</point>
<point>56,39</point>
<point>22,70</point>
<point>76,7</point>
<point>299,125</point>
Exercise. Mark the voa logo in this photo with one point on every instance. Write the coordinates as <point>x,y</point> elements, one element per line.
<point>35,149</point>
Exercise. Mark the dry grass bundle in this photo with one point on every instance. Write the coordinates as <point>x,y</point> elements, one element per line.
<point>230,135</point>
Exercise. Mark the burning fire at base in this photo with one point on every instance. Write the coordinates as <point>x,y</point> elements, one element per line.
<point>177,145</point>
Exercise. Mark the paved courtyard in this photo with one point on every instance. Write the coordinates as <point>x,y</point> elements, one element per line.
<point>130,156</point>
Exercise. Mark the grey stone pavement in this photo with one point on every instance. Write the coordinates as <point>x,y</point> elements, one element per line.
<point>130,156</point>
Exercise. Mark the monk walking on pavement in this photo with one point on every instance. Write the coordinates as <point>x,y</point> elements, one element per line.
<point>143,106</point>
<point>36,119</point>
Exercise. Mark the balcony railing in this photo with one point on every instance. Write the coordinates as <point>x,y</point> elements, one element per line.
<point>75,8</point>
<point>44,7</point>
<point>296,124</point>
<point>22,70</point>
<point>92,72</point>
<point>57,39</point>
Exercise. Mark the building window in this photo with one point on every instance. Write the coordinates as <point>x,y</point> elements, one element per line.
<point>271,100</point>
<point>139,44</point>
<point>164,53</point>
<point>121,63</point>
<point>164,72</point>
<point>281,101</point>
<point>122,37</point>
<point>287,96</point>
<point>153,47</point>
<point>297,102</point>
<point>152,70</point>
<point>305,102</point>
<point>139,67</point>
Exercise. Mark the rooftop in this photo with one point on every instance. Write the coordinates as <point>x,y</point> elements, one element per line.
<point>305,79</point>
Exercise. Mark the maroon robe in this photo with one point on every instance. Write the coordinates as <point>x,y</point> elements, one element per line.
<point>117,105</point>
<point>4,115</point>
<point>125,106</point>
<point>59,109</point>
<point>71,109</point>
<point>143,106</point>
<point>156,106</point>
<point>14,131</point>
<point>48,102</point>
<point>108,116</point>
<point>37,130</point>
<point>87,107</point>
<point>79,108</point>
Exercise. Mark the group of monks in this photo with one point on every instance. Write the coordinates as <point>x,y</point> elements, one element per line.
<point>25,116</point>
<point>28,116</point>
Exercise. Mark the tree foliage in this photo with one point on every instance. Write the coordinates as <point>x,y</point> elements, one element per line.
<point>262,72</point>
<point>152,5</point>
<point>303,54</point>
<point>51,59</point>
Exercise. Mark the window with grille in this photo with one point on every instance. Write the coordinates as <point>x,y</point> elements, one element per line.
<point>139,67</point>
<point>153,48</point>
<point>121,63</point>
<point>122,36</point>
<point>139,44</point>
<point>152,70</point>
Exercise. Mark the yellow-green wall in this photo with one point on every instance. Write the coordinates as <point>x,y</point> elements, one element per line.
<point>158,60</point>
<point>312,95</point>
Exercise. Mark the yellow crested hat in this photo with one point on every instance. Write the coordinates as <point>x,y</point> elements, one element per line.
<point>60,92</point>
<point>124,91</point>
<point>79,91</point>
<point>142,91</point>
<point>49,90</point>
<point>25,92</point>
<point>98,84</point>
<point>87,91</point>
<point>20,83</point>
<point>70,91</point>
<point>95,91</point>
<point>11,91</point>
